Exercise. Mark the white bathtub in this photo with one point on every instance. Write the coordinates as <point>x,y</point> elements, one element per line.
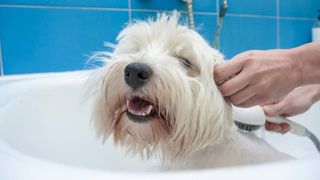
<point>45,133</point>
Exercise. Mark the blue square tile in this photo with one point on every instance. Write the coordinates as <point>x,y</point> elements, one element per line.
<point>158,5</point>
<point>246,33</point>
<point>71,3</point>
<point>48,40</point>
<point>198,6</point>
<point>142,16</point>
<point>299,8</point>
<point>256,7</point>
<point>294,33</point>
<point>205,24</point>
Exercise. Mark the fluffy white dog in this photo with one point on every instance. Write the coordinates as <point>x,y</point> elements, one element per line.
<point>157,97</point>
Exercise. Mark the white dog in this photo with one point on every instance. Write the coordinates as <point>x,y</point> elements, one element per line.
<point>157,97</point>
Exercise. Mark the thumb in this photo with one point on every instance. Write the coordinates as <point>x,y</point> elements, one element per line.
<point>273,109</point>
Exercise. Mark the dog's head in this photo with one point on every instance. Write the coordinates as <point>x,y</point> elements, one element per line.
<point>157,94</point>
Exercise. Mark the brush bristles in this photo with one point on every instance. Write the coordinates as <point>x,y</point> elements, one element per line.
<point>246,127</point>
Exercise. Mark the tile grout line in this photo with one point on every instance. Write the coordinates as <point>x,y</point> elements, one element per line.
<point>296,18</point>
<point>129,11</point>
<point>150,10</point>
<point>278,24</point>
<point>270,17</point>
<point>1,64</point>
<point>94,8</point>
<point>251,16</point>
<point>62,7</point>
<point>183,12</point>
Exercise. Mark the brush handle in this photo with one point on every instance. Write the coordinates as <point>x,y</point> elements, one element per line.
<point>295,127</point>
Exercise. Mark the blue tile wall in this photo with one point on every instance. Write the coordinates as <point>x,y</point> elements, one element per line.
<point>70,3</point>
<point>59,35</point>
<point>246,33</point>
<point>256,7</point>
<point>198,5</point>
<point>47,40</point>
<point>205,24</point>
<point>292,32</point>
<point>298,8</point>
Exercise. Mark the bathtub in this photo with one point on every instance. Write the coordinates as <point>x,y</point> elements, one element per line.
<point>45,133</point>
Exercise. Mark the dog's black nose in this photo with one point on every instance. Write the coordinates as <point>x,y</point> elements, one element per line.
<point>137,74</point>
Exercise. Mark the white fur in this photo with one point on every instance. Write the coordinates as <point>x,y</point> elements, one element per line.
<point>194,126</point>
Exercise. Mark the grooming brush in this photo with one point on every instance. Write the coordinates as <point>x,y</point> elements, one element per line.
<point>248,119</point>
<point>251,119</point>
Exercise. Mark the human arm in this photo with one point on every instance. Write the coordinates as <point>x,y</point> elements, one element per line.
<point>262,77</point>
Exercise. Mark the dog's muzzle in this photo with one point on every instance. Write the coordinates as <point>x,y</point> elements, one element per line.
<point>137,74</point>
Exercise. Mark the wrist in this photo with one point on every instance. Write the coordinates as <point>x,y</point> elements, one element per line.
<point>306,60</point>
<point>295,62</point>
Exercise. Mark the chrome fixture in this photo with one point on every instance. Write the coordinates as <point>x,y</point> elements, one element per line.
<point>222,14</point>
<point>190,13</point>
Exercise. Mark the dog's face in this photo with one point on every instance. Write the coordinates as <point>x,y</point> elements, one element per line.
<point>158,94</point>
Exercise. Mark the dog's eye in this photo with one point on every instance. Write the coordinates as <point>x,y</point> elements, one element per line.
<point>185,62</point>
<point>191,69</point>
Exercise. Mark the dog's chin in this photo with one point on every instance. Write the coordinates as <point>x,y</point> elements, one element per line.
<point>140,110</point>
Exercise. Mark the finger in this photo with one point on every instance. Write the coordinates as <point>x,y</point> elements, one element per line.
<point>233,85</point>
<point>254,100</point>
<point>245,54</point>
<point>272,102</point>
<point>272,127</point>
<point>284,128</point>
<point>274,109</point>
<point>281,128</point>
<point>242,95</point>
<point>227,69</point>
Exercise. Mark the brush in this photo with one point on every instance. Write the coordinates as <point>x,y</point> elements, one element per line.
<point>248,119</point>
<point>251,119</point>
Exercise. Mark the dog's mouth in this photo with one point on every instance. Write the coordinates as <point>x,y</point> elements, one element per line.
<point>140,110</point>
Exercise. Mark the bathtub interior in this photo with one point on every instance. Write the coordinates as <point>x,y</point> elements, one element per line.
<point>49,119</point>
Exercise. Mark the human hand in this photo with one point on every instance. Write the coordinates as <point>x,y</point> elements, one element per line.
<point>296,102</point>
<point>257,77</point>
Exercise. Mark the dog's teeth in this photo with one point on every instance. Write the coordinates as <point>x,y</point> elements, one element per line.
<point>146,111</point>
<point>149,109</point>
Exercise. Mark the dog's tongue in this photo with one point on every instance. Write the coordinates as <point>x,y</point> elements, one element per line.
<point>139,106</point>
